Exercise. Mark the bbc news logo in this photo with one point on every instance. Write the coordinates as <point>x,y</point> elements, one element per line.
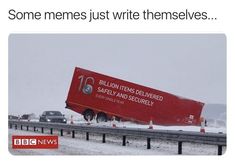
<point>34,142</point>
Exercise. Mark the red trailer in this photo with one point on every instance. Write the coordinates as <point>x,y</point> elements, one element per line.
<point>96,95</point>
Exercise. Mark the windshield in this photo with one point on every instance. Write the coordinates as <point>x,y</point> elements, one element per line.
<point>53,113</point>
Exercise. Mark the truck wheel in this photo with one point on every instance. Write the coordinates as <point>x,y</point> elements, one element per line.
<point>88,114</point>
<point>101,117</point>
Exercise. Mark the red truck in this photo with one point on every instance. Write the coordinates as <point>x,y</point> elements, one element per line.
<point>96,95</point>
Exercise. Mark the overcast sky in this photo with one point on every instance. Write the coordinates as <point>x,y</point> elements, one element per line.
<point>41,66</point>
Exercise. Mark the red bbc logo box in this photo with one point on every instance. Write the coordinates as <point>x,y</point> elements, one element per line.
<point>34,142</point>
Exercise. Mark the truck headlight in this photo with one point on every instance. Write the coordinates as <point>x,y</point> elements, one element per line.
<point>48,120</point>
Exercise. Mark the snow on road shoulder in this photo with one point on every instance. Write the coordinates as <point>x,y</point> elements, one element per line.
<point>215,128</point>
<point>127,124</point>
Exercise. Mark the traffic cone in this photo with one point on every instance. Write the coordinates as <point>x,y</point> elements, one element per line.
<point>71,121</point>
<point>122,122</point>
<point>114,122</point>
<point>151,124</point>
<point>202,129</point>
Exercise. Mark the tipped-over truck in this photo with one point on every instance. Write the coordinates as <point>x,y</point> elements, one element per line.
<point>103,97</point>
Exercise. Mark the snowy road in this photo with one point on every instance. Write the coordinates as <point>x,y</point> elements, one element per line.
<point>113,146</point>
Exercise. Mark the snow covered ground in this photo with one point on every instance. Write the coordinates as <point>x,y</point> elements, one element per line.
<point>113,146</point>
<point>127,124</point>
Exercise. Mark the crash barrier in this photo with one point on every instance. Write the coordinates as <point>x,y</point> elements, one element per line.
<point>218,139</point>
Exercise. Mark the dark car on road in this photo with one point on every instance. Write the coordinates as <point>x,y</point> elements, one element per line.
<point>52,116</point>
<point>12,117</point>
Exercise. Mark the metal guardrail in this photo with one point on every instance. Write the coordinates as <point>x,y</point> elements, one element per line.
<point>177,136</point>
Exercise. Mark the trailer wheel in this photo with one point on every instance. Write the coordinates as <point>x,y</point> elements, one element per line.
<point>88,114</point>
<point>101,117</point>
<point>117,118</point>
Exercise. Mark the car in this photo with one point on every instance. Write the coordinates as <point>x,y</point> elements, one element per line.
<point>12,117</point>
<point>27,117</point>
<point>53,117</point>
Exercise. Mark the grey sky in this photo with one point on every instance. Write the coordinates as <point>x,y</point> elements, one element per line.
<point>41,66</point>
